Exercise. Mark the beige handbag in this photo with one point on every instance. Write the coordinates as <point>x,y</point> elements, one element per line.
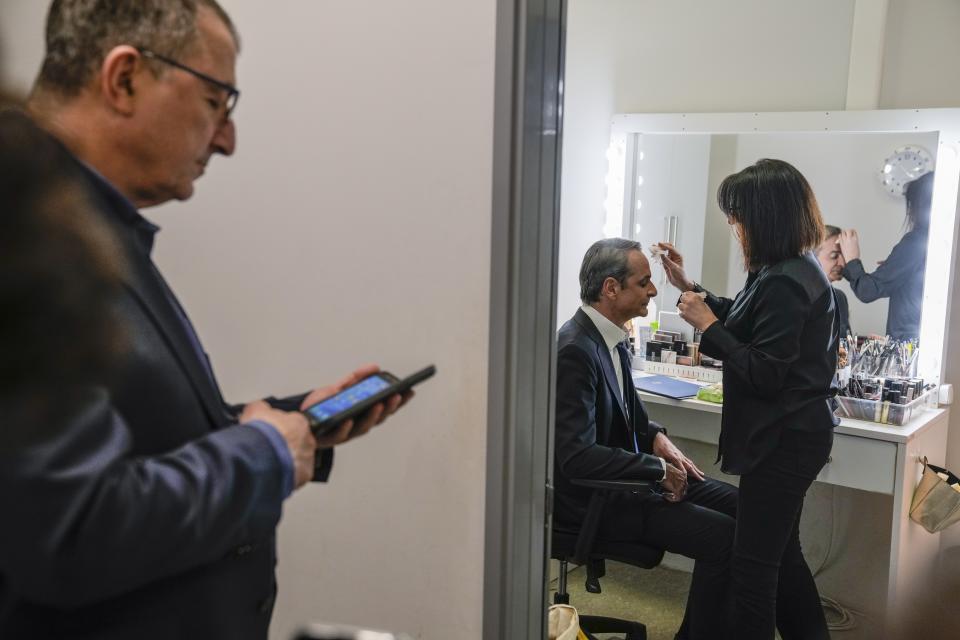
<point>564,623</point>
<point>936,500</point>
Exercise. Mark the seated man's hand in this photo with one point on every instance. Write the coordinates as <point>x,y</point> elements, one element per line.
<point>674,483</point>
<point>295,431</point>
<point>354,428</point>
<point>665,449</point>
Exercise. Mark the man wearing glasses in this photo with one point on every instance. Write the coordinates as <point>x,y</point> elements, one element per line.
<point>176,538</point>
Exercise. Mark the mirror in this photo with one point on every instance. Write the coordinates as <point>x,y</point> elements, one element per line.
<point>675,185</point>
<point>664,170</point>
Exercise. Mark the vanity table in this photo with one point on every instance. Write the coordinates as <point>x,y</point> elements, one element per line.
<point>868,456</point>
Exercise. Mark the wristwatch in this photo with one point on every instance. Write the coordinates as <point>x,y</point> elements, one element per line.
<point>697,289</point>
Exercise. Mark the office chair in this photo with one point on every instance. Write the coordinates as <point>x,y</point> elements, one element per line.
<point>582,548</point>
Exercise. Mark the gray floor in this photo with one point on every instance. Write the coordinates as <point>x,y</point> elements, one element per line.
<point>656,597</point>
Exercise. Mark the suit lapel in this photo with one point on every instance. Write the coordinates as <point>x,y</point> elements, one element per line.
<point>606,363</point>
<point>146,285</point>
<point>638,415</point>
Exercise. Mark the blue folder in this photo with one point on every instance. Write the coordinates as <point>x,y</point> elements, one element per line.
<point>666,386</point>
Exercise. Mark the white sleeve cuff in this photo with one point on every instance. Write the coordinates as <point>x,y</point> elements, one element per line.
<point>663,463</point>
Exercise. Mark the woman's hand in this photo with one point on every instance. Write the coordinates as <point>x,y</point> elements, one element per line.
<point>849,244</point>
<point>673,266</point>
<point>695,311</point>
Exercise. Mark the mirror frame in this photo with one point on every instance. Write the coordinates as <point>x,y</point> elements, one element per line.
<point>938,278</point>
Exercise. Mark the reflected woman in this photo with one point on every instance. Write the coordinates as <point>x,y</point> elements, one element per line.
<point>900,276</point>
<point>778,343</point>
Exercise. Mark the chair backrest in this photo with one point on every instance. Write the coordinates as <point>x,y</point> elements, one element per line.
<point>563,544</point>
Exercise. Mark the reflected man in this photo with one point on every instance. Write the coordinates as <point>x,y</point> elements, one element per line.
<point>832,261</point>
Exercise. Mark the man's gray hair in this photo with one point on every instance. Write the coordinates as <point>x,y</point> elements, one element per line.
<point>605,259</point>
<point>80,33</point>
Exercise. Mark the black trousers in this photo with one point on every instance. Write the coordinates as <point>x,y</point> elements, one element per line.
<point>771,583</point>
<point>700,527</point>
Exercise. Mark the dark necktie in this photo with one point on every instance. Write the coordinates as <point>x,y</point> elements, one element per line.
<point>629,391</point>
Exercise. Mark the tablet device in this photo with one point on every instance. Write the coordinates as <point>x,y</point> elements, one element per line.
<point>666,386</point>
<point>355,400</point>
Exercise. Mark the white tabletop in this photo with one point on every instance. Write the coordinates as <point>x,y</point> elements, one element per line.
<point>848,426</point>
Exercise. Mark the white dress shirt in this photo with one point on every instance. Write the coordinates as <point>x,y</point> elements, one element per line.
<point>612,336</point>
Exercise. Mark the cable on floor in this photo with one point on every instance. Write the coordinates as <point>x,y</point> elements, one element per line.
<point>846,617</point>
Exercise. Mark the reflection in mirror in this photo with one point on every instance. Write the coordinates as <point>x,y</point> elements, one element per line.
<point>834,155</point>
<point>674,179</point>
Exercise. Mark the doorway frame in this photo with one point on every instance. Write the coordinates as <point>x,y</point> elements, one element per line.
<point>523,292</point>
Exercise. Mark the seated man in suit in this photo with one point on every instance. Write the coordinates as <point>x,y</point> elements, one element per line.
<point>603,433</point>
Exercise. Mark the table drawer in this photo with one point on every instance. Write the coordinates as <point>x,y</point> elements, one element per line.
<point>861,463</point>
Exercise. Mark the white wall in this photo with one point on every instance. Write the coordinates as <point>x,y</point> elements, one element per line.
<point>21,43</point>
<point>921,49</point>
<point>587,106</point>
<point>352,226</point>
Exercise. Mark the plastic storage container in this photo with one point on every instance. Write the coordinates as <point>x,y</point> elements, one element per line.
<point>885,412</point>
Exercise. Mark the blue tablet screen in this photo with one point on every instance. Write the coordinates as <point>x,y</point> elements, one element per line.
<point>348,397</point>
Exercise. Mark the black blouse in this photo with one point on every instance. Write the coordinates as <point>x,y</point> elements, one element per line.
<point>778,341</point>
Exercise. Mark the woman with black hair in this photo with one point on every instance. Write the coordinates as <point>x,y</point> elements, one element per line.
<point>778,343</point>
<point>900,276</point>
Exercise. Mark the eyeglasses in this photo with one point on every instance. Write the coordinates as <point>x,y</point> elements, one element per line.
<point>233,94</point>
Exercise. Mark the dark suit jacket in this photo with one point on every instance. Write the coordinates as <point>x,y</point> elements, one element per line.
<point>594,436</point>
<point>843,313</point>
<point>778,343</point>
<point>98,543</point>
<point>148,513</point>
